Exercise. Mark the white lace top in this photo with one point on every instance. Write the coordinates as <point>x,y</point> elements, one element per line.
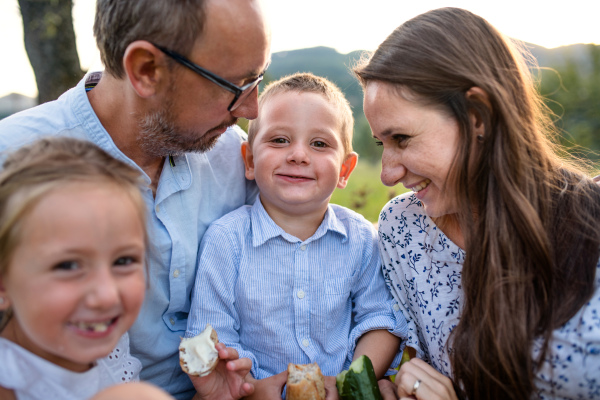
<point>33,378</point>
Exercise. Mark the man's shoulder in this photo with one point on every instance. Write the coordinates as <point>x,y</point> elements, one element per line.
<point>48,119</point>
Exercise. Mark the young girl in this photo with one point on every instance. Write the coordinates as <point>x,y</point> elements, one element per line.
<point>72,273</point>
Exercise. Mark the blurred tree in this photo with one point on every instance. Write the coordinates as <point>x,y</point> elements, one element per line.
<point>50,44</point>
<point>572,91</point>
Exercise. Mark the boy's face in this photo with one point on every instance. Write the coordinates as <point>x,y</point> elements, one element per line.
<point>297,157</point>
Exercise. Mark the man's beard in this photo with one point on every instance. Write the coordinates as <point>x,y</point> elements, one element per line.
<point>160,136</point>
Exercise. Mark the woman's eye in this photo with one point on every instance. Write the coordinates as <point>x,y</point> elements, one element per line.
<point>124,261</point>
<point>319,143</point>
<point>400,139</point>
<point>67,266</point>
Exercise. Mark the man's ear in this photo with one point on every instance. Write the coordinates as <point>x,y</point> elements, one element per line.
<point>478,95</point>
<point>248,160</point>
<point>145,66</point>
<point>347,167</point>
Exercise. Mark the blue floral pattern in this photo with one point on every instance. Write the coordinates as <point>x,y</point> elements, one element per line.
<point>422,269</point>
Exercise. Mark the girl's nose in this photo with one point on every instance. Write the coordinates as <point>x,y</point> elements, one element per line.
<point>392,169</point>
<point>103,290</point>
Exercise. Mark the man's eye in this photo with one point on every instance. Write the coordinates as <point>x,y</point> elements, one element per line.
<point>67,266</point>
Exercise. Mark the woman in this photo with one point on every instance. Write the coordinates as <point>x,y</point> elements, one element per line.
<point>494,256</point>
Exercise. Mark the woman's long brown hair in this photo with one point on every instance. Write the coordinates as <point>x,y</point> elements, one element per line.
<point>530,219</point>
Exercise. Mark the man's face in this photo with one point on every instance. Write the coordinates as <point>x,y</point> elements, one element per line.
<point>193,112</point>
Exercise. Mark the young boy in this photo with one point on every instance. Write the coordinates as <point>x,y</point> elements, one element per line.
<point>294,279</point>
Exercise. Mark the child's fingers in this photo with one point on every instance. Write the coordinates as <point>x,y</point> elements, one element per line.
<point>226,353</point>
<point>240,364</point>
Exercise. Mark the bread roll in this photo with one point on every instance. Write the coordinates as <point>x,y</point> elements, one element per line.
<point>305,382</point>
<point>198,355</point>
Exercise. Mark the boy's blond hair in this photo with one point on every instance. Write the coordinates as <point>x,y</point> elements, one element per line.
<point>308,83</point>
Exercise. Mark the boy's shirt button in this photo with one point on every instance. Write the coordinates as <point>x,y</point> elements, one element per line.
<point>303,247</point>
<point>300,294</point>
<point>305,343</point>
<point>176,273</point>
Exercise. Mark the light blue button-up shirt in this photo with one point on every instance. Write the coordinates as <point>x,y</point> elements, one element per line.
<point>277,299</point>
<point>192,193</point>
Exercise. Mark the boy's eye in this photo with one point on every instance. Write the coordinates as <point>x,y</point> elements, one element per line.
<point>319,143</point>
<point>279,140</point>
<point>67,266</point>
<point>378,143</point>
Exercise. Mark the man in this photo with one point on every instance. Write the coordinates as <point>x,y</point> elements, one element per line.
<point>177,76</point>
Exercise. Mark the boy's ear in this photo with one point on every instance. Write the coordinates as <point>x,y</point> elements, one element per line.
<point>347,167</point>
<point>248,160</point>
<point>145,66</point>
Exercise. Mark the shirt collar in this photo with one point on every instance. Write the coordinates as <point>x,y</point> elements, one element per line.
<point>264,228</point>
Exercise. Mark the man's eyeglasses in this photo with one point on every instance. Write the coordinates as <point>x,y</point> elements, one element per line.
<point>240,93</point>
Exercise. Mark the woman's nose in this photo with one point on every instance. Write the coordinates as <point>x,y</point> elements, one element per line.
<point>392,169</point>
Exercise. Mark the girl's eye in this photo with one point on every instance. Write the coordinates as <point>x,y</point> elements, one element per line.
<point>124,261</point>
<point>67,266</point>
<point>319,143</point>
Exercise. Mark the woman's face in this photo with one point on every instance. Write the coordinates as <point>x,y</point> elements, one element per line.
<point>419,144</point>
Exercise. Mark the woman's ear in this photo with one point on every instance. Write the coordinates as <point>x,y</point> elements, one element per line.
<point>347,167</point>
<point>478,96</point>
<point>145,66</point>
<point>248,160</point>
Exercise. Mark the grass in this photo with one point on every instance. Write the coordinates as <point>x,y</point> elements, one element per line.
<point>365,193</point>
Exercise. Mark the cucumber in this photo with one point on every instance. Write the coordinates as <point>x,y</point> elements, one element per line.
<point>358,382</point>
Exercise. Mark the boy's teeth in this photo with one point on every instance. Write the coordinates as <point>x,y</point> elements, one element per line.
<point>421,186</point>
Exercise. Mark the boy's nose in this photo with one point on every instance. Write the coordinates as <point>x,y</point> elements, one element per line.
<point>298,155</point>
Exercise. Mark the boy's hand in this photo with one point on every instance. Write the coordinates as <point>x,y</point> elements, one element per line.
<point>269,388</point>
<point>331,392</point>
<point>227,380</point>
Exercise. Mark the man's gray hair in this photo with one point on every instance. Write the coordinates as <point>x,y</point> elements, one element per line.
<point>175,24</point>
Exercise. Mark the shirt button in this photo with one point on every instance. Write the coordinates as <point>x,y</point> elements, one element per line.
<point>303,247</point>
<point>305,343</point>
<point>300,294</point>
<point>176,273</point>
<point>172,321</point>
<point>396,307</point>
<point>157,209</point>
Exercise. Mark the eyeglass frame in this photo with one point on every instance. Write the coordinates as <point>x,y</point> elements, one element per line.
<point>238,91</point>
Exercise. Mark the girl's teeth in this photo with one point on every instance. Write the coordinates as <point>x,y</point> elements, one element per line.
<point>421,186</point>
<point>93,326</point>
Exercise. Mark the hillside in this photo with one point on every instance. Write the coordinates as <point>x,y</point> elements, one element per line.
<point>327,62</point>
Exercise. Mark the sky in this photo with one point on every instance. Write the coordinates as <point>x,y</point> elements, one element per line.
<point>344,25</point>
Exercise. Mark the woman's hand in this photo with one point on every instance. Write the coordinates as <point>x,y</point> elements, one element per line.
<point>432,385</point>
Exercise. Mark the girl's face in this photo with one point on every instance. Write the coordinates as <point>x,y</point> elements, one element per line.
<point>419,145</point>
<point>76,280</point>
